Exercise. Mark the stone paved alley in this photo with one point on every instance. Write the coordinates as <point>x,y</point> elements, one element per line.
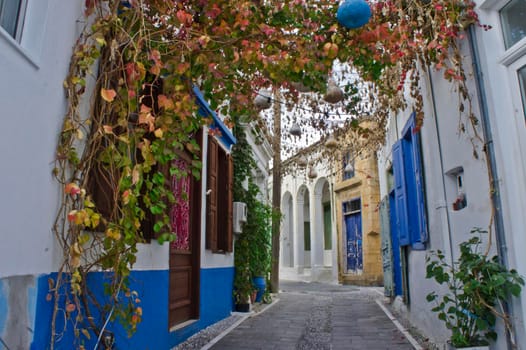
<point>315,316</point>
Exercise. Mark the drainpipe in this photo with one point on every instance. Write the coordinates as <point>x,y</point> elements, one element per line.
<point>493,172</point>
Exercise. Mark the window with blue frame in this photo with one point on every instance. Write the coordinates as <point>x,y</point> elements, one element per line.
<point>348,166</point>
<point>410,215</point>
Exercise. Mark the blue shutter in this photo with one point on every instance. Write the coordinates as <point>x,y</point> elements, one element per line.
<point>420,199</point>
<point>400,194</point>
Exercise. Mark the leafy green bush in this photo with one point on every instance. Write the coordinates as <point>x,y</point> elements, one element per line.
<point>477,288</point>
<point>252,253</point>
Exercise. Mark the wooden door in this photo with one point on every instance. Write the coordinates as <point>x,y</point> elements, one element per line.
<point>185,218</point>
<point>353,226</point>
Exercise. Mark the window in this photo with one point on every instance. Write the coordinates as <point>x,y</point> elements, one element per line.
<point>390,179</point>
<point>327,229</point>
<point>12,14</point>
<point>512,17</point>
<point>348,166</point>
<point>352,207</point>
<point>522,82</point>
<point>219,199</point>
<point>104,174</point>
<point>458,190</point>
<point>411,224</point>
<point>306,236</point>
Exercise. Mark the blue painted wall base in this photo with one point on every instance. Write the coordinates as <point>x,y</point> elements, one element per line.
<point>153,332</point>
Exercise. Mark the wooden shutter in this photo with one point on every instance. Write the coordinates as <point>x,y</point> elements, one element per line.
<point>102,184</point>
<point>400,194</point>
<point>422,235</point>
<point>228,239</point>
<point>212,194</point>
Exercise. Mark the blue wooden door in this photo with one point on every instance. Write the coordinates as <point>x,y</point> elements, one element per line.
<point>353,226</point>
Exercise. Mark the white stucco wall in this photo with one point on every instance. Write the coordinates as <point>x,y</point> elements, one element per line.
<point>508,136</point>
<point>262,152</point>
<point>33,104</point>
<point>499,67</point>
<point>443,149</point>
<point>32,96</point>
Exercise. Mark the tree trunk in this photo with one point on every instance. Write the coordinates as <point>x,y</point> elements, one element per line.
<point>276,192</point>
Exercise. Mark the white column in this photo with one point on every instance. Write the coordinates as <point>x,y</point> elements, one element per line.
<point>316,234</point>
<point>284,260</point>
<point>290,230</point>
<point>287,235</point>
<point>334,235</point>
<point>299,243</point>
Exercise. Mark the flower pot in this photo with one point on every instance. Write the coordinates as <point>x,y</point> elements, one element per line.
<point>244,307</point>
<point>261,286</point>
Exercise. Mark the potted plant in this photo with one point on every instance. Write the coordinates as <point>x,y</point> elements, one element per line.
<point>242,284</point>
<point>477,287</point>
<point>258,231</point>
<point>252,246</point>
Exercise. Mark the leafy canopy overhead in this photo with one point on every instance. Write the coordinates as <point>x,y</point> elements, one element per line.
<point>146,57</point>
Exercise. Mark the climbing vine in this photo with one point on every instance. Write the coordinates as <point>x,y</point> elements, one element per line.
<point>131,112</point>
<point>253,245</point>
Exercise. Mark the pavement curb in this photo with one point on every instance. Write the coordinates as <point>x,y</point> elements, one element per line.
<point>237,323</point>
<point>398,325</point>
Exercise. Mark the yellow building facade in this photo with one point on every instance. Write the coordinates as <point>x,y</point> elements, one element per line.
<point>330,205</point>
<point>357,197</point>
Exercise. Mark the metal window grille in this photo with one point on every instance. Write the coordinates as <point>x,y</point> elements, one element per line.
<point>352,207</point>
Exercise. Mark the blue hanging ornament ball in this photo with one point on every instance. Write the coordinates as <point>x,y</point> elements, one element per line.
<point>353,14</point>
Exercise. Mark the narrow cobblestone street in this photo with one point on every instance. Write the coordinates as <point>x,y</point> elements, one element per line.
<point>316,316</point>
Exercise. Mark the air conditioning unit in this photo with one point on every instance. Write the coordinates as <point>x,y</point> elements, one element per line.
<point>239,216</point>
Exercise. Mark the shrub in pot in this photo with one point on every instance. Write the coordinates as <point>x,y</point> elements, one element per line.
<point>477,286</point>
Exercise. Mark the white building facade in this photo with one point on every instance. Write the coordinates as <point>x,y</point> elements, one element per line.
<point>308,249</point>
<point>451,189</point>
<point>36,42</point>
<point>330,225</point>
